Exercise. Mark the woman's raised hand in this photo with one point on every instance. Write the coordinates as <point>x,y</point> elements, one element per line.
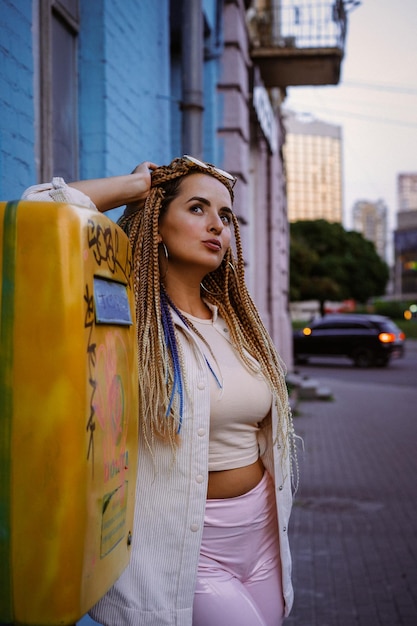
<point>142,184</point>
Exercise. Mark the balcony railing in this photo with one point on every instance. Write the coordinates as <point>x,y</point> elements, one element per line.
<point>298,42</point>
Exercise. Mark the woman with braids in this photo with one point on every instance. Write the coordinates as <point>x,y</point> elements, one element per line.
<point>214,485</point>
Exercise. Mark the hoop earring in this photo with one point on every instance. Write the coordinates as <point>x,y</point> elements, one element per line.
<point>165,251</point>
<point>216,295</point>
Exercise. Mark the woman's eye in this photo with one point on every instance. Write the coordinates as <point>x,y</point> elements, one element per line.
<point>196,209</point>
<point>226,218</point>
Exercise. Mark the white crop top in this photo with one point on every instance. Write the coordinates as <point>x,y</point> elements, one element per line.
<point>239,400</point>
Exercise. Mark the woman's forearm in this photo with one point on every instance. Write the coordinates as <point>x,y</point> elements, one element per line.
<point>107,193</point>
<point>116,191</point>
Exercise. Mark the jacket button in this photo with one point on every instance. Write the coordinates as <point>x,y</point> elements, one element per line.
<point>201,432</point>
<point>201,385</point>
<point>199,478</point>
<point>194,527</point>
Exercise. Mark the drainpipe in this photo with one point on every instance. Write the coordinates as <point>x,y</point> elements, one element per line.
<point>276,22</point>
<point>192,59</point>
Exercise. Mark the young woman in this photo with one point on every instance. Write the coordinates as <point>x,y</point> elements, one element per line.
<point>213,495</point>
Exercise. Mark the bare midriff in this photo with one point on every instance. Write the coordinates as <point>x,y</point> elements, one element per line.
<point>234,482</point>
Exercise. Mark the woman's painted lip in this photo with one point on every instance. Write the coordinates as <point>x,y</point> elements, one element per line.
<point>213,244</point>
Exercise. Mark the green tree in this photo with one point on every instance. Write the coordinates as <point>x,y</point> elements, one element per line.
<point>329,263</point>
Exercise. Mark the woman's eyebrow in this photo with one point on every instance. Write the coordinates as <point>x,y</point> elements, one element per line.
<point>208,203</point>
<point>200,199</point>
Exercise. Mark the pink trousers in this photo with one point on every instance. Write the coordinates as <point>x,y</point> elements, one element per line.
<point>239,573</point>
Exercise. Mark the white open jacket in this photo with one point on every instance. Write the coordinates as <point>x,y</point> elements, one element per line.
<point>157,587</point>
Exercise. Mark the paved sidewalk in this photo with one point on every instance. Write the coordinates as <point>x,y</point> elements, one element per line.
<point>354,525</point>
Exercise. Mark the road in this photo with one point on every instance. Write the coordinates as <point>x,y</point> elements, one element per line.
<point>354,524</point>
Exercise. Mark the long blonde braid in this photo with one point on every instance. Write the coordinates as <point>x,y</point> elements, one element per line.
<point>225,287</point>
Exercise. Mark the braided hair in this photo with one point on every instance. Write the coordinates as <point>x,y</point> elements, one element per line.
<point>161,379</point>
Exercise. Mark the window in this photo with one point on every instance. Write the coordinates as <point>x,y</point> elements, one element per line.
<point>58,136</point>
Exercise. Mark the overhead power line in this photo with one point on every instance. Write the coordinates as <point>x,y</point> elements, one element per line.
<point>370,118</point>
<point>412,91</point>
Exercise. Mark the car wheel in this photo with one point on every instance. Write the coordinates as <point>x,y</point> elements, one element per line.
<point>362,357</point>
<point>382,361</point>
<point>300,360</point>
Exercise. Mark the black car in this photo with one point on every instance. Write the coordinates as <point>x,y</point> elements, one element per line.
<point>366,339</point>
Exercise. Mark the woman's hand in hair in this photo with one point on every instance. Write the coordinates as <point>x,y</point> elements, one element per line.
<point>141,185</point>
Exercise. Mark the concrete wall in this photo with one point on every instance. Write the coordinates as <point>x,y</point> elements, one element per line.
<point>234,131</point>
<point>260,200</point>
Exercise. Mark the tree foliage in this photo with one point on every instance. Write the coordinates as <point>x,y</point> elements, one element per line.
<point>329,263</point>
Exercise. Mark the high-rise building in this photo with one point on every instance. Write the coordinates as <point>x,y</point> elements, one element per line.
<point>313,163</point>
<point>407,191</point>
<point>371,220</point>
<point>405,237</point>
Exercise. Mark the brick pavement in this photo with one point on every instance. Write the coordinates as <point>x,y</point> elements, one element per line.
<point>354,524</point>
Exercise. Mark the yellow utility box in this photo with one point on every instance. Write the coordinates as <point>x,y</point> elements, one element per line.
<point>68,410</point>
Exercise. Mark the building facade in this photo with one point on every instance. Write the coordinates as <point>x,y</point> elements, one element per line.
<point>313,165</point>
<point>407,191</point>
<point>88,92</point>
<point>91,89</point>
<point>405,238</point>
<point>371,220</point>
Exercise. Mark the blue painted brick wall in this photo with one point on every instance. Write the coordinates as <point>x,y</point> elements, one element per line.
<point>124,89</point>
<point>125,86</point>
<point>17,133</point>
<point>128,94</point>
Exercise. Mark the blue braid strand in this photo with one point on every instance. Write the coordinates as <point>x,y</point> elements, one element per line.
<point>171,343</point>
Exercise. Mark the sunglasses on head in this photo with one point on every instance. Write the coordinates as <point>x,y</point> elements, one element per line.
<point>232,179</point>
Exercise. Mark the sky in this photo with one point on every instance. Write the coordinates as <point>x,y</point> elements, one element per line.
<point>375,102</point>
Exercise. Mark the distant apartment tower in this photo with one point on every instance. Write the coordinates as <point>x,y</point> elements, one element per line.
<point>313,163</point>
<point>371,220</point>
<point>407,192</point>
<point>405,237</point>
